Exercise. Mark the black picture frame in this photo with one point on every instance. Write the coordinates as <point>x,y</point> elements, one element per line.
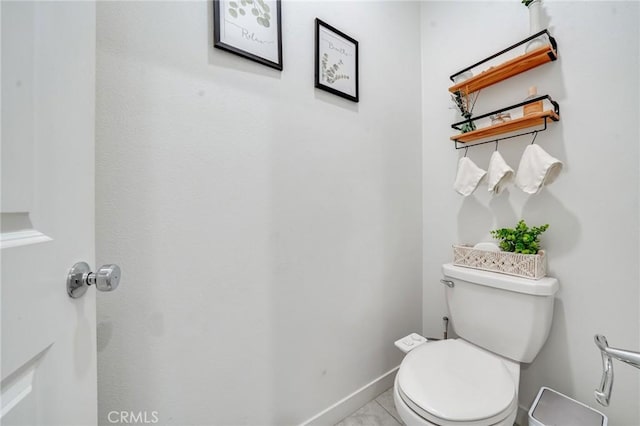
<point>247,29</point>
<point>346,49</point>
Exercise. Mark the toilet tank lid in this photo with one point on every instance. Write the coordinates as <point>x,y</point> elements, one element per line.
<point>546,286</point>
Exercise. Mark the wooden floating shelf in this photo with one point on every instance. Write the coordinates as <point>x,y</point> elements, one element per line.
<point>508,69</point>
<point>530,120</point>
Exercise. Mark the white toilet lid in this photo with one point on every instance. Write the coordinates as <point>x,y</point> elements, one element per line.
<point>455,381</point>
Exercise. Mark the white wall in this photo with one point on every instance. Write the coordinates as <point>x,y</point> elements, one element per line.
<point>593,206</point>
<point>269,234</point>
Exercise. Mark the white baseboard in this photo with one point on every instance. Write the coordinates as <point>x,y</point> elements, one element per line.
<point>351,403</point>
<point>522,418</point>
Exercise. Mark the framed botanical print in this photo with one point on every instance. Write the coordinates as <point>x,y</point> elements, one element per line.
<point>249,28</point>
<point>336,62</point>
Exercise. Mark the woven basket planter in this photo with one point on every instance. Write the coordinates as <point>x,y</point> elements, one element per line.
<point>533,266</point>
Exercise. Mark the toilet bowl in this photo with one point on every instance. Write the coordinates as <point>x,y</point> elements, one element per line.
<point>453,382</point>
<point>473,380</point>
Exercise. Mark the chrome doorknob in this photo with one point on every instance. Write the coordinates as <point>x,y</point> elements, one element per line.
<point>107,278</point>
<point>80,278</point>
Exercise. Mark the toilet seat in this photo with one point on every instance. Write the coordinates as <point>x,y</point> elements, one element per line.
<point>452,382</point>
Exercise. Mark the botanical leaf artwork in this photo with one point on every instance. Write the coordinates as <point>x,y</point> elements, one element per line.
<point>330,74</point>
<point>336,62</point>
<point>257,8</point>
<point>249,28</point>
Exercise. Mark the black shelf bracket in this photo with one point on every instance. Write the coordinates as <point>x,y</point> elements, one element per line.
<point>552,41</point>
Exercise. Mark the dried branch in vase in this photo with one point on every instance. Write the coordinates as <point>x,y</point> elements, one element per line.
<point>465,104</point>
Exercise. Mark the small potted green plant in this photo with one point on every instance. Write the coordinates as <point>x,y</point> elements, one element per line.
<point>520,239</point>
<point>520,253</point>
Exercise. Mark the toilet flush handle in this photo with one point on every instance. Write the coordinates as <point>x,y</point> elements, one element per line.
<point>448,283</point>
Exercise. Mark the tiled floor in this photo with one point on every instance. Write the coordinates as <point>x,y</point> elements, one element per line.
<point>379,412</point>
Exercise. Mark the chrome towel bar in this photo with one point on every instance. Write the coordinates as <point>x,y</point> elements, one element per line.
<point>603,393</point>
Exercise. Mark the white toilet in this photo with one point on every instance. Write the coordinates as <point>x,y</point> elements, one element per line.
<point>501,321</point>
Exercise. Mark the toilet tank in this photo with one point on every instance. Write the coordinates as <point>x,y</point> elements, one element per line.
<point>507,315</point>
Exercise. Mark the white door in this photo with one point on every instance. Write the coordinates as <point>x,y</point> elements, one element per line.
<point>48,348</point>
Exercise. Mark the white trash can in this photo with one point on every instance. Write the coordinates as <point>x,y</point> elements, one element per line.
<point>551,408</point>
